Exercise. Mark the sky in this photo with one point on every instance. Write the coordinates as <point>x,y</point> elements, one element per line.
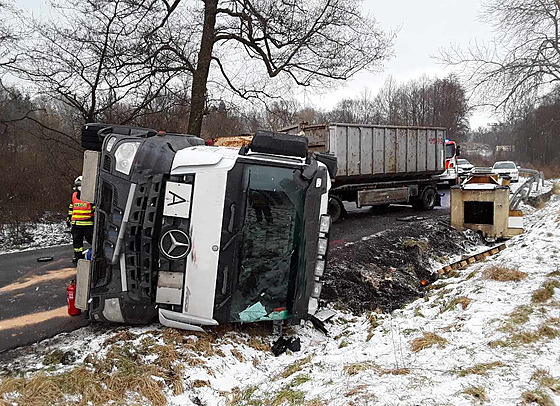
<point>424,27</point>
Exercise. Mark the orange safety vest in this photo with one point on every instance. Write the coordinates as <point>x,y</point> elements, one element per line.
<point>82,212</point>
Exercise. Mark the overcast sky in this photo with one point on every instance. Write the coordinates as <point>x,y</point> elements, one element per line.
<point>424,27</point>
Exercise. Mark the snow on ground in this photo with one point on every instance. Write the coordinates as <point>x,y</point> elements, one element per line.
<point>472,339</point>
<point>33,236</point>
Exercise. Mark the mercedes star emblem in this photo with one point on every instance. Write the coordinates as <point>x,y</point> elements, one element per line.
<point>175,244</point>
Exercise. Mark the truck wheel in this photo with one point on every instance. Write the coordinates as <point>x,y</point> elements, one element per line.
<point>427,201</point>
<point>335,208</point>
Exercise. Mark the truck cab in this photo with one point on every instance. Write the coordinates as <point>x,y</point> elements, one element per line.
<point>198,235</point>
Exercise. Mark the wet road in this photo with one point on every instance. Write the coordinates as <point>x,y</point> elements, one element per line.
<point>33,294</point>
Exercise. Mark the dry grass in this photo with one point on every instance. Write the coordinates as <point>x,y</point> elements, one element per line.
<point>199,383</point>
<point>356,368</point>
<point>520,315</point>
<point>411,243</point>
<point>426,341</point>
<point>503,274</point>
<point>121,377</point>
<point>288,396</point>
<point>374,322</point>
<point>498,344</point>
<point>355,391</point>
<point>295,367</point>
<point>172,336</point>
<point>545,380</point>
<point>300,380</point>
<point>124,335</point>
<point>477,392</point>
<point>554,273</point>
<point>395,371</point>
<point>546,291</point>
<point>237,354</point>
<point>463,301</point>
<point>259,344</point>
<point>239,396</point>
<point>529,337</point>
<point>537,396</point>
<point>316,402</point>
<point>480,369</point>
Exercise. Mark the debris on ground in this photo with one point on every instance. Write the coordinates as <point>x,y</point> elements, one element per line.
<point>387,270</point>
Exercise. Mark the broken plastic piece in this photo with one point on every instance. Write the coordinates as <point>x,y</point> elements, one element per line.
<point>44,259</point>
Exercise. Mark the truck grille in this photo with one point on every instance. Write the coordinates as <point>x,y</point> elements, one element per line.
<point>140,242</point>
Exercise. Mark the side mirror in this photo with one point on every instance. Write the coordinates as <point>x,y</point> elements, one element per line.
<point>458,150</point>
<point>518,166</point>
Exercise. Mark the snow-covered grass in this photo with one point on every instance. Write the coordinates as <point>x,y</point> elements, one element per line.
<point>33,235</point>
<point>489,334</point>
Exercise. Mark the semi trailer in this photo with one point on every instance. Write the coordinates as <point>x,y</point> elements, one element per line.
<point>197,235</point>
<point>380,164</point>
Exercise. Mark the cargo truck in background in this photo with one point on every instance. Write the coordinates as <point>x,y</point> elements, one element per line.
<point>198,235</point>
<point>380,164</point>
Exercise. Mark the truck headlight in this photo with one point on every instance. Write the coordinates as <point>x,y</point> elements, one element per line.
<point>124,156</point>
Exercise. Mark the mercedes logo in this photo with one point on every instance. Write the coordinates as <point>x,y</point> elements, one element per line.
<point>175,244</point>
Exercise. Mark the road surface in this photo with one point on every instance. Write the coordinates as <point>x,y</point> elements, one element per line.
<point>33,294</point>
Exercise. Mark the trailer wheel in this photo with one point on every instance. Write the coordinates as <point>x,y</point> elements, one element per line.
<point>428,199</point>
<point>335,208</point>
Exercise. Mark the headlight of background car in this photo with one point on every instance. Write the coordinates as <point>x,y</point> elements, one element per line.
<point>124,156</point>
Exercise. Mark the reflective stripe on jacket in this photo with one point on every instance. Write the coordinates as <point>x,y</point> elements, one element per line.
<point>82,212</point>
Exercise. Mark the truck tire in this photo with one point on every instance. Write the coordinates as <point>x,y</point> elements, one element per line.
<point>335,208</point>
<point>427,201</point>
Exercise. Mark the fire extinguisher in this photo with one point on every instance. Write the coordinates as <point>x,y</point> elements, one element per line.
<point>70,299</point>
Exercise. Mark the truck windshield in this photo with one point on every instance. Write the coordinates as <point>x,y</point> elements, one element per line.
<point>271,237</point>
<point>449,150</point>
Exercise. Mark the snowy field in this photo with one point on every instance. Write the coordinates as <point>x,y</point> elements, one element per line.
<point>488,335</point>
<point>36,235</point>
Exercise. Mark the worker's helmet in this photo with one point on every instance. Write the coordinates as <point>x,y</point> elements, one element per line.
<point>78,181</point>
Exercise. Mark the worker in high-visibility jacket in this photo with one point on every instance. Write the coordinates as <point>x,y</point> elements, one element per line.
<point>80,218</point>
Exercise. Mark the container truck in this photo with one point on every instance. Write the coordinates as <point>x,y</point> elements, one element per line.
<point>380,164</point>
<point>197,235</point>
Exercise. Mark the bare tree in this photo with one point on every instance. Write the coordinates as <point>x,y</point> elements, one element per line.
<point>523,59</point>
<point>92,55</point>
<point>305,43</point>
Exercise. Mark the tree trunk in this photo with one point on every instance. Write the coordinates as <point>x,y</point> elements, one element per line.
<point>200,77</point>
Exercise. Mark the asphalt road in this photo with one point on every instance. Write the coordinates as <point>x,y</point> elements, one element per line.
<point>33,294</point>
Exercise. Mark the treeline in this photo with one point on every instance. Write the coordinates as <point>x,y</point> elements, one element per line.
<point>40,153</point>
<point>533,131</point>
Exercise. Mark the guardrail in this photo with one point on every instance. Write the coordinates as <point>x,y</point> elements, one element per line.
<point>524,191</point>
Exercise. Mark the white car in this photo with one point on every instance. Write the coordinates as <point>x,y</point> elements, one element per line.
<point>507,168</point>
<point>464,167</point>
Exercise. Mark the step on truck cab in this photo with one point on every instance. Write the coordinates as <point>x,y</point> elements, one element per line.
<point>200,235</point>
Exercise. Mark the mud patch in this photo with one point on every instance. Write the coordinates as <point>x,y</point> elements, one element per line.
<point>386,270</point>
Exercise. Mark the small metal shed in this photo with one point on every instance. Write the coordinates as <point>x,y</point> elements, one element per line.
<point>481,203</point>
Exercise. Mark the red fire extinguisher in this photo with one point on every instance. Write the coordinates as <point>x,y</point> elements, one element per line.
<point>70,299</point>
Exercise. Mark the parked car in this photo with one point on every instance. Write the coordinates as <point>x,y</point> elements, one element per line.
<point>507,168</point>
<point>464,167</point>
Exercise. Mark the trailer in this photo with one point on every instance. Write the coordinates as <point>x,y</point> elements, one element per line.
<point>380,164</point>
<point>198,235</point>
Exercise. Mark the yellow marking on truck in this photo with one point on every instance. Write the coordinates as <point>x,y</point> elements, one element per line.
<point>59,274</point>
<point>34,318</point>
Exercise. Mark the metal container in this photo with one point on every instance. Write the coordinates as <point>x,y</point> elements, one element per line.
<point>378,152</point>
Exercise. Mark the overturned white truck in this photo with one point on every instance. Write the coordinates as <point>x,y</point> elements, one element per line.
<point>199,235</point>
